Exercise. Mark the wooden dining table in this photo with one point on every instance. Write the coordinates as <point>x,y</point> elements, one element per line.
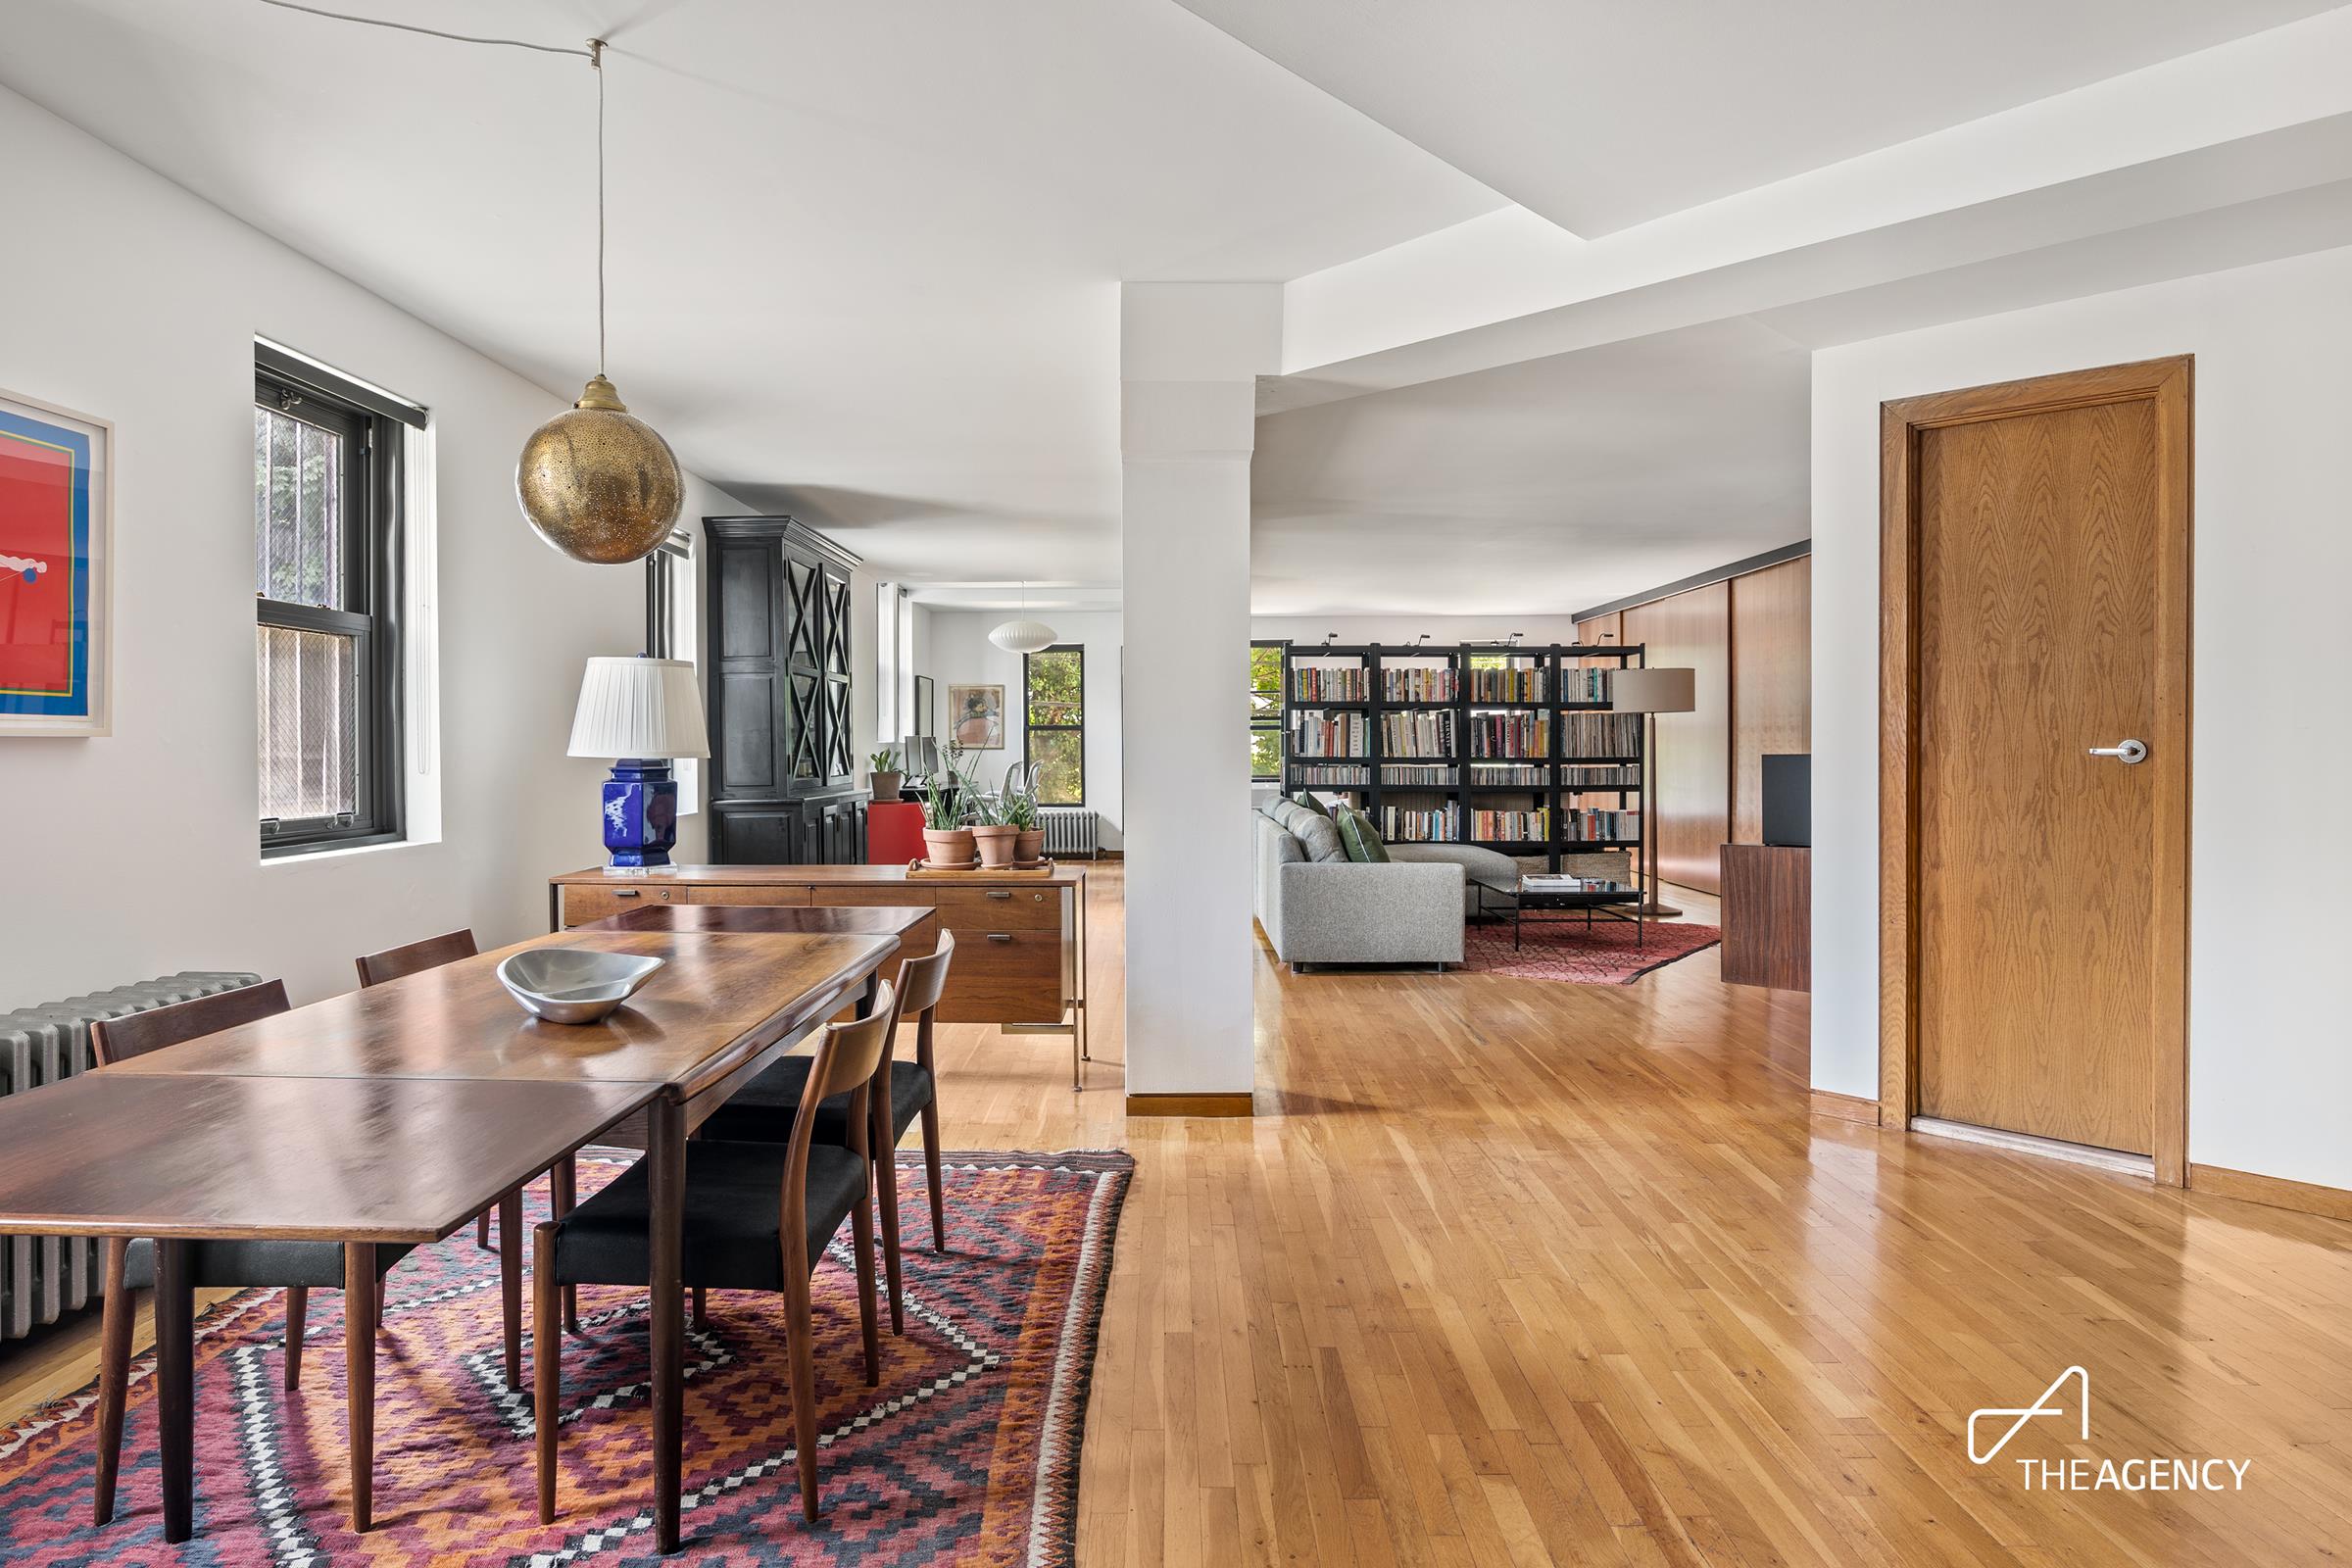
<point>397,1112</point>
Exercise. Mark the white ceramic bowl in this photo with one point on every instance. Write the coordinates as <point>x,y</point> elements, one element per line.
<point>574,985</point>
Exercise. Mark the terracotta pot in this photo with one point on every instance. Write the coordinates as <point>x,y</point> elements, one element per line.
<point>947,845</point>
<point>886,786</point>
<point>996,844</point>
<point>1030,845</point>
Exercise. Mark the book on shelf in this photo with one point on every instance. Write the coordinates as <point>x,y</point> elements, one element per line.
<point>1600,735</point>
<point>1330,775</point>
<point>1578,826</point>
<point>1508,776</point>
<point>1510,827</point>
<point>1518,683</point>
<point>1510,734</point>
<point>1600,777</point>
<point>1330,683</point>
<point>1423,734</point>
<point>1585,683</point>
<point>1436,684</point>
<point>1402,825</point>
<point>1319,732</point>
<point>1422,775</point>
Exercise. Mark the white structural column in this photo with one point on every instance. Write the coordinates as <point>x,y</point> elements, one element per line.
<point>1189,358</point>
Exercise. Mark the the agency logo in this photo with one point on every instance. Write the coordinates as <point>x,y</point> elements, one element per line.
<point>2153,1473</point>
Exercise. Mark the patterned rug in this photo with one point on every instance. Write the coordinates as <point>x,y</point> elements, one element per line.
<point>1557,947</point>
<point>967,1452</point>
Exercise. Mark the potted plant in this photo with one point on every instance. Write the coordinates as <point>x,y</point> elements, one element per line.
<point>882,774</point>
<point>946,842</point>
<point>992,831</point>
<point>1021,809</point>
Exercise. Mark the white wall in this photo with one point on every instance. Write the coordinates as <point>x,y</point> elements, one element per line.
<point>138,855</point>
<point>2270,1074</point>
<point>951,647</point>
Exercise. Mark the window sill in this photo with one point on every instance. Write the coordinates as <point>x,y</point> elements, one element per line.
<point>301,853</point>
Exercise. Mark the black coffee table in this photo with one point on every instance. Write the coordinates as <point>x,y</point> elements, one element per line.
<point>1591,895</point>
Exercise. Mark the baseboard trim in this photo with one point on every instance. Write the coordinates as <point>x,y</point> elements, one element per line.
<point>2278,1191</point>
<point>1190,1105</point>
<point>1845,1107</point>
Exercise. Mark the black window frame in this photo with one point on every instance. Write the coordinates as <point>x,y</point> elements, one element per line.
<point>372,505</point>
<point>1271,723</point>
<point>1030,732</point>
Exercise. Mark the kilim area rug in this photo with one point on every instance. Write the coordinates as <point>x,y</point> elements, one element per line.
<point>967,1452</point>
<point>1557,947</point>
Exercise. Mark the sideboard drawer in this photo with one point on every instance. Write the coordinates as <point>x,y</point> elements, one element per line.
<point>1002,976</point>
<point>886,896</point>
<point>1001,908</point>
<point>584,904</point>
<point>746,894</point>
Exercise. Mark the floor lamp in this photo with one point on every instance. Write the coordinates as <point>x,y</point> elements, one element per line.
<point>1650,693</point>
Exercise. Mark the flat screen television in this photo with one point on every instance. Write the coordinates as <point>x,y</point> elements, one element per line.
<point>1788,797</point>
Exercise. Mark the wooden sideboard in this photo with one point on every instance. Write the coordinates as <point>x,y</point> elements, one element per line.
<point>1768,916</point>
<point>1020,939</point>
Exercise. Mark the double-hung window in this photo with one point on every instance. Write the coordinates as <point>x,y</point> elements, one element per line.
<point>1054,718</point>
<point>326,476</point>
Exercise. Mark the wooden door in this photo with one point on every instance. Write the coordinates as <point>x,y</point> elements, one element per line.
<point>2045,533</point>
<point>1691,799</point>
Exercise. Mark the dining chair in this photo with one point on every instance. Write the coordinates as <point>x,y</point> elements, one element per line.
<point>757,1217</point>
<point>767,1110</point>
<point>294,1266</point>
<point>395,963</point>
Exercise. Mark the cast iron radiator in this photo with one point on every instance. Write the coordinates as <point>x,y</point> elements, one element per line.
<point>44,1277</point>
<point>1070,830</point>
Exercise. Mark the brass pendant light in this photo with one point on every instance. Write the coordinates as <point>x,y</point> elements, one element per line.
<point>598,483</point>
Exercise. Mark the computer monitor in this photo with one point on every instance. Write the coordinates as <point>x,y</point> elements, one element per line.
<point>1787,798</point>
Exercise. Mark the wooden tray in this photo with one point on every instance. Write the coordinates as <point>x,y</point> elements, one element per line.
<point>921,870</point>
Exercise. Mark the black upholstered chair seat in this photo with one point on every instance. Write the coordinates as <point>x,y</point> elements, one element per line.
<point>762,1110</point>
<point>734,1237</point>
<point>319,1265</point>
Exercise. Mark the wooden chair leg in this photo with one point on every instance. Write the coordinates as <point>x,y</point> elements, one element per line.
<point>861,1239</point>
<point>481,1229</point>
<point>546,1367</point>
<point>802,1357</point>
<point>509,1281</point>
<point>939,1202</point>
<point>360,1300</point>
<point>701,1306</point>
<point>562,1192</point>
<point>886,1188</point>
<point>113,1376</point>
<point>298,1308</point>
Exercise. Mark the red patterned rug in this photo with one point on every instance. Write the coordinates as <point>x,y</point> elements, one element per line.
<point>967,1452</point>
<point>1557,947</point>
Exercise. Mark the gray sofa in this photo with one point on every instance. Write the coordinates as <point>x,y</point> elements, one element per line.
<point>1319,906</point>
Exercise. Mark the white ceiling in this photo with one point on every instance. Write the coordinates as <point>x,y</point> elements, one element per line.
<point>864,258</point>
<point>1601,114</point>
<point>1538,488</point>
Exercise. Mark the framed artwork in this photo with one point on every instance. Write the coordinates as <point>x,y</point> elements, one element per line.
<point>977,714</point>
<point>55,569</point>
<point>926,715</point>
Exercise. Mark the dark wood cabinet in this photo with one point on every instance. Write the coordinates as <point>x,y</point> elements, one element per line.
<point>1767,915</point>
<point>776,639</point>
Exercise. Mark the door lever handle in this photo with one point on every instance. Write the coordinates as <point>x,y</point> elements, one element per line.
<point>2128,754</point>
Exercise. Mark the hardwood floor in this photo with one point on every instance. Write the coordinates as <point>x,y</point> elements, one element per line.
<point>1516,1272</point>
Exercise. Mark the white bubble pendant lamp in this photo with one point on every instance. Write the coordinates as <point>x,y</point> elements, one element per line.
<point>1023,636</point>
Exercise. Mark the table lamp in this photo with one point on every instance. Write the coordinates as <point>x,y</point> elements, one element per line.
<point>1650,693</point>
<point>641,713</point>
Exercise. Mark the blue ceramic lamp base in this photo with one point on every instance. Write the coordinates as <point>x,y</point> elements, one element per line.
<point>641,813</point>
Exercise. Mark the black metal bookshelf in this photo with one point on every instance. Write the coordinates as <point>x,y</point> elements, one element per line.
<point>1545,789</point>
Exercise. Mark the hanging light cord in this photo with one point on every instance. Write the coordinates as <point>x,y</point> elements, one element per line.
<point>430,33</point>
<point>594,54</point>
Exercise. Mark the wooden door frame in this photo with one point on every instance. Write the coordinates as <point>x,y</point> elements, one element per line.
<point>2167,384</point>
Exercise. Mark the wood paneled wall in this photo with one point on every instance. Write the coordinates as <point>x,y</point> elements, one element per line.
<point>1772,681</point>
<point>1749,638</point>
<point>1691,773</point>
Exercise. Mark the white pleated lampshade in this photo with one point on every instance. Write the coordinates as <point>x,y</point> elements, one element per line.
<point>1022,636</point>
<point>639,707</point>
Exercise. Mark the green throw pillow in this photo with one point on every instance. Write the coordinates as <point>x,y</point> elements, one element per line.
<point>1302,797</point>
<point>1361,837</point>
